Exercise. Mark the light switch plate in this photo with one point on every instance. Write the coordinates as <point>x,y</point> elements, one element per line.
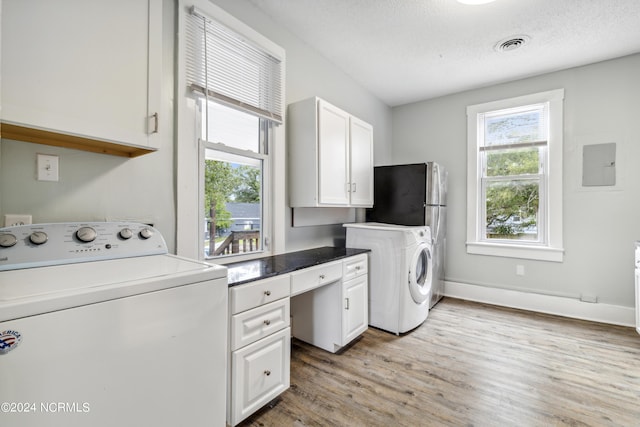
<point>48,167</point>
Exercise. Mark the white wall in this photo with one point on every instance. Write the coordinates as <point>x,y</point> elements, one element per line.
<point>309,74</point>
<point>600,224</point>
<point>97,187</point>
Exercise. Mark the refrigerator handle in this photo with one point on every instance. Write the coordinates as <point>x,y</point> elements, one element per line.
<point>436,221</point>
<point>435,190</point>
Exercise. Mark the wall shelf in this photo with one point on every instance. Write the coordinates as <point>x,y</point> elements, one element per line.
<point>39,136</point>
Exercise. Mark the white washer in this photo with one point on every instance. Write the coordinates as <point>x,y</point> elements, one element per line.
<point>400,273</point>
<point>100,326</point>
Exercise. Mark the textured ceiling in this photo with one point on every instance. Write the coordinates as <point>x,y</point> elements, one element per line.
<point>410,50</point>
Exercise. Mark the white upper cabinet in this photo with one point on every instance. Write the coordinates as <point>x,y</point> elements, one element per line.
<point>361,168</point>
<point>88,69</point>
<point>333,155</point>
<point>330,156</point>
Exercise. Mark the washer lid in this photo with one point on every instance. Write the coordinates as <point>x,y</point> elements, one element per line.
<point>34,291</point>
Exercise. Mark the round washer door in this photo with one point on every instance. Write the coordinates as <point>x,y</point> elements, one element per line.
<point>420,274</point>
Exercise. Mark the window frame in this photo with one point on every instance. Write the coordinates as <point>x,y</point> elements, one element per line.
<point>541,177</point>
<point>550,245</point>
<point>266,136</point>
<point>190,152</point>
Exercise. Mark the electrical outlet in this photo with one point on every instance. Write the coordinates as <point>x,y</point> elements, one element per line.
<point>11,220</point>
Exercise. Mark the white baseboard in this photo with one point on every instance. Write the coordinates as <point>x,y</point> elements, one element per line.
<point>560,306</point>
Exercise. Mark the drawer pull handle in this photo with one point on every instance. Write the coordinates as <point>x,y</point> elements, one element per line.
<point>267,372</point>
<point>322,277</point>
<point>357,267</point>
<point>267,322</point>
<point>267,293</point>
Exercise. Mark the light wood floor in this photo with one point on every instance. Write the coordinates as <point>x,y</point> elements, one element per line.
<point>469,364</point>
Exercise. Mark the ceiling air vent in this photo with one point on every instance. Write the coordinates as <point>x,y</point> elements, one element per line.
<point>512,43</point>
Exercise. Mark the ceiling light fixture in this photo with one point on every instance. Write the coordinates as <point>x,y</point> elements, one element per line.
<point>475,2</point>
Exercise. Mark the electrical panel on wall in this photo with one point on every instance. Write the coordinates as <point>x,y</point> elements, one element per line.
<point>599,165</point>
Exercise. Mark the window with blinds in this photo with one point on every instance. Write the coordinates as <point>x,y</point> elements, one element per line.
<point>224,66</point>
<point>238,84</point>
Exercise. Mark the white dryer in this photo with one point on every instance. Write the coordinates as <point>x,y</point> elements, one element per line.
<point>400,273</point>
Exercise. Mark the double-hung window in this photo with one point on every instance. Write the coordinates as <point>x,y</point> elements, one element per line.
<point>514,189</point>
<point>235,83</point>
<point>235,162</point>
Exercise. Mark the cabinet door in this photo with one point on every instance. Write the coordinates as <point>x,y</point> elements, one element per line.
<point>361,158</point>
<point>259,373</point>
<point>86,68</point>
<point>355,318</point>
<point>333,155</point>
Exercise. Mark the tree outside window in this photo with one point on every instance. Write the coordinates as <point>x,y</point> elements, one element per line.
<point>235,153</point>
<point>227,182</point>
<point>512,156</point>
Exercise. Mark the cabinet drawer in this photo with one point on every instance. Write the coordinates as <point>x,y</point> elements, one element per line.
<point>355,266</point>
<point>259,373</point>
<point>313,277</point>
<point>251,325</point>
<point>254,294</point>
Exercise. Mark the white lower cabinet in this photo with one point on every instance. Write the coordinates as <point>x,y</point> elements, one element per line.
<point>260,372</point>
<point>333,315</point>
<point>356,312</point>
<point>329,310</point>
<point>260,345</point>
<point>355,295</point>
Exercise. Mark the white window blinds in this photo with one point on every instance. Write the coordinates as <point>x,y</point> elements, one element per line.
<point>223,65</point>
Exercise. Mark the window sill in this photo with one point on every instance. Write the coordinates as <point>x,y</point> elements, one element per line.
<point>227,259</point>
<point>538,253</point>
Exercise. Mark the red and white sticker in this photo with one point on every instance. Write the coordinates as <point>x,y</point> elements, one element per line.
<point>9,340</point>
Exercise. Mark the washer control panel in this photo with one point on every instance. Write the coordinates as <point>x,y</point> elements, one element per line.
<point>40,245</point>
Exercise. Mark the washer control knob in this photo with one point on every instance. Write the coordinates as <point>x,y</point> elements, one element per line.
<point>86,234</point>
<point>146,233</point>
<point>126,233</point>
<point>7,240</point>
<point>38,237</point>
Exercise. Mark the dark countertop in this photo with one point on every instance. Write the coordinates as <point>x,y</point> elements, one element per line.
<point>262,268</point>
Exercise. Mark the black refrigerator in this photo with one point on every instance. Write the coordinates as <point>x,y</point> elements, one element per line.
<point>414,194</point>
